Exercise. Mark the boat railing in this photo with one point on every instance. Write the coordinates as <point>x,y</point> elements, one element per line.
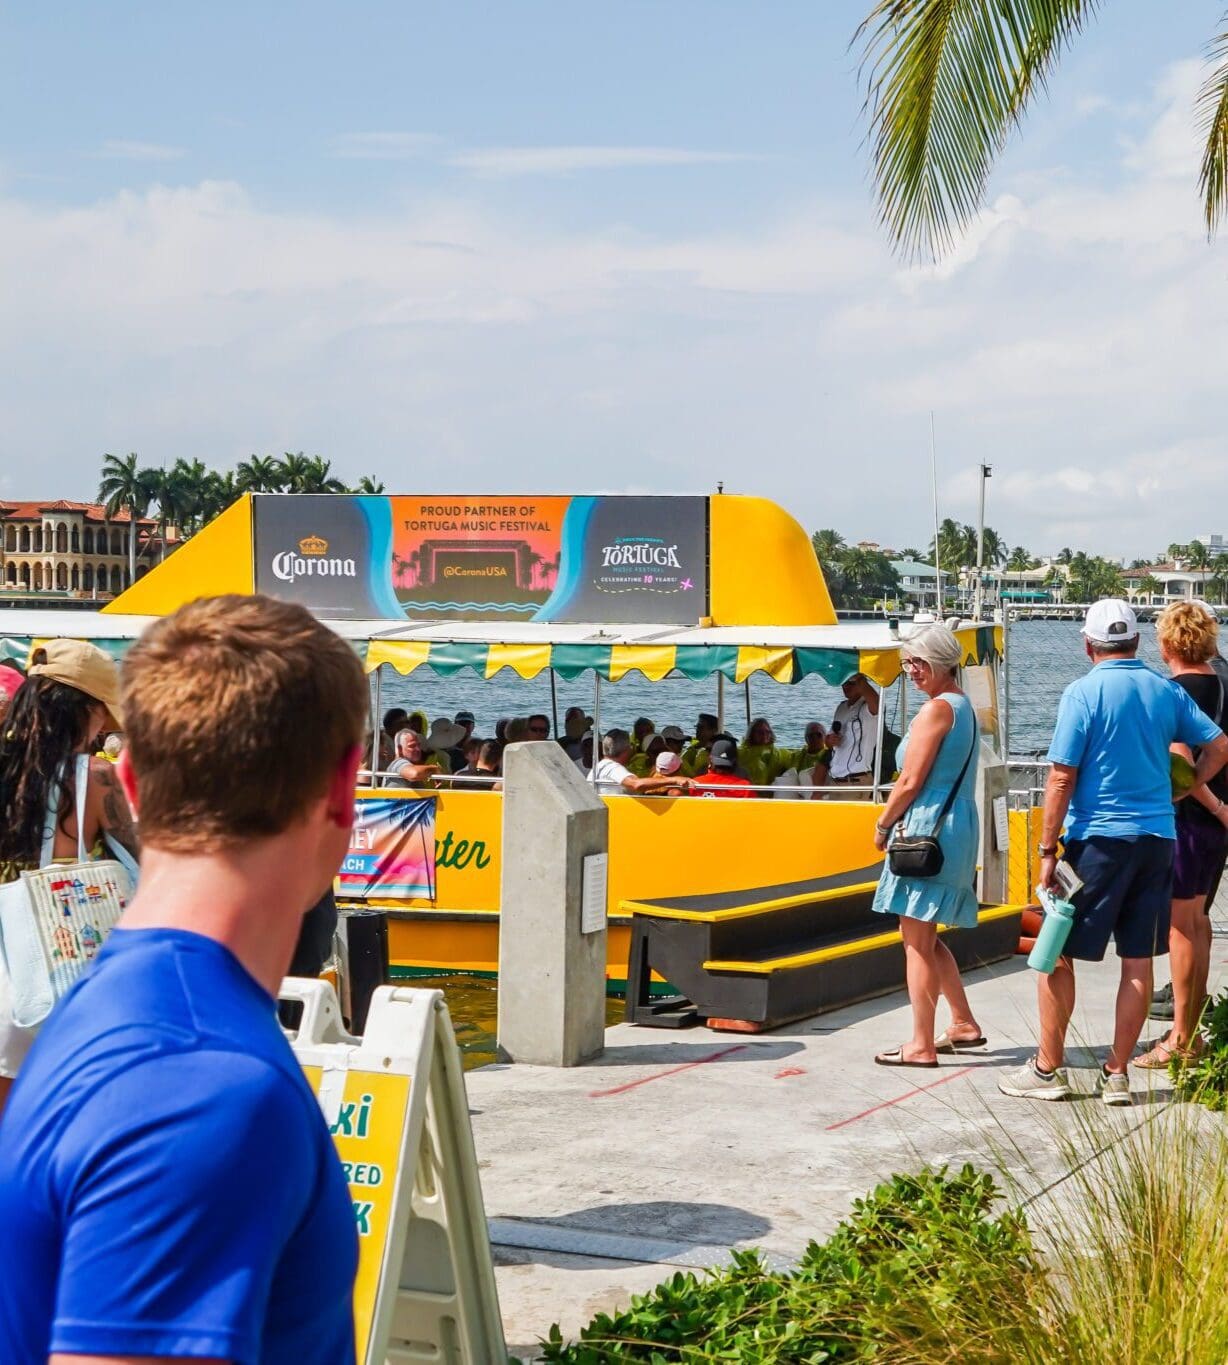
<point>447,780</point>
<point>1028,777</point>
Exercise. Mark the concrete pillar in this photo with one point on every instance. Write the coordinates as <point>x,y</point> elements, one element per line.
<point>992,783</point>
<point>551,973</point>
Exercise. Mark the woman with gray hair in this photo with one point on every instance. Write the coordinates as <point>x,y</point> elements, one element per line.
<point>934,796</point>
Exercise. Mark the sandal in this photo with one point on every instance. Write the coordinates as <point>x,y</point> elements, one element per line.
<point>1157,1057</point>
<point>895,1057</point>
<point>945,1043</point>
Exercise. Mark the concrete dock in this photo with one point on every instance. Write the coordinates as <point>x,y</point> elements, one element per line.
<point>600,1181</point>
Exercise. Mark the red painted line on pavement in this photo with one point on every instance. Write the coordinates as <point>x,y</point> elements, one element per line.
<point>899,1099</point>
<point>670,1071</point>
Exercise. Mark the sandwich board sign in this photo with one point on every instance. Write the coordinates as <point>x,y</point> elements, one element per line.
<point>394,1101</point>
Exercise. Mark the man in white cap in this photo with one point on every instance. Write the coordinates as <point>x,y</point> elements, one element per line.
<point>1109,797</point>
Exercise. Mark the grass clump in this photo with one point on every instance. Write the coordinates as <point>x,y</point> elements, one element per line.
<point>908,1271</point>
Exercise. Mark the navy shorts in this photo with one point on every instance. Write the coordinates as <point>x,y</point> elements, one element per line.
<point>1198,862</point>
<point>1126,894</point>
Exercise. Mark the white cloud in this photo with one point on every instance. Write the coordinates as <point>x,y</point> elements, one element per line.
<point>381,146</point>
<point>508,162</point>
<point>121,149</point>
<point>1076,341</point>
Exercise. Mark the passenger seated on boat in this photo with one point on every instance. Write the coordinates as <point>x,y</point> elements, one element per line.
<point>760,758</point>
<point>539,727</point>
<point>410,767</point>
<point>669,765</point>
<point>644,764</point>
<point>695,755</point>
<point>445,736</point>
<point>394,720</point>
<point>576,724</point>
<point>486,765</point>
<point>641,729</point>
<point>613,774</point>
<point>722,778</point>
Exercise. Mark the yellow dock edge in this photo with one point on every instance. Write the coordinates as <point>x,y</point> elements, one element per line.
<point>839,950</point>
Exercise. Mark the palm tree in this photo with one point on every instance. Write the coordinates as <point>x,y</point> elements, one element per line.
<point>947,81</point>
<point>217,493</point>
<point>911,552</point>
<point>259,474</point>
<point>1018,560</point>
<point>123,486</point>
<point>369,485</point>
<point>1219,575</point>
<point>1065,555</point>
<point>308,474</point>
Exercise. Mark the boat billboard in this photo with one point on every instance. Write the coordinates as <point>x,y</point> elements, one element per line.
<point>602,558</point>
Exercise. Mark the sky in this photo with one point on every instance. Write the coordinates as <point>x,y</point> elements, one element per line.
<point>630,248</point>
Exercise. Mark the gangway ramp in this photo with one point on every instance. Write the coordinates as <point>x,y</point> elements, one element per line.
<point>753,959</point>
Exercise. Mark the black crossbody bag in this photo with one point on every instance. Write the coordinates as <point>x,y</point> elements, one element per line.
<point>920,855</point>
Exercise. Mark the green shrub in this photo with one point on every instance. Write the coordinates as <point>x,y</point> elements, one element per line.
<point>915,1270</point>
<point>1205,1079</point>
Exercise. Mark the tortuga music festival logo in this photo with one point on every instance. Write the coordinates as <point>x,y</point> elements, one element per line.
<point>312,561</point>
<point>642,564</point>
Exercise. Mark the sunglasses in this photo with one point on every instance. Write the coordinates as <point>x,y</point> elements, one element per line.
<point>539,730</point>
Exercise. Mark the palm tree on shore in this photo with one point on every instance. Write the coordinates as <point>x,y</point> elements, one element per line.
<point>368,485</point>
<point>122,486</point>
<point>259,474</point>
<point>947,82</point>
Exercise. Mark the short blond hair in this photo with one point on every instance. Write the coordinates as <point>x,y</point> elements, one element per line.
<point>1187,631</point>
<point>936,645</point>
<point>216,700</point>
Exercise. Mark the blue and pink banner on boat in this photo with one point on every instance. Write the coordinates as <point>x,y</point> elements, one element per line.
<point>392,850</point>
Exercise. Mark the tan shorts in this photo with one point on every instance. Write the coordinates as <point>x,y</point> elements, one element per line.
<point>859,788</point>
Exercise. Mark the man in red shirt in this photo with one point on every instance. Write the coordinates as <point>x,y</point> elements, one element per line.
<point>722,779</point>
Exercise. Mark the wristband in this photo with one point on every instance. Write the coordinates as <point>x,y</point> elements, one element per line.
<point>882,829</point>
<point>1046,852</point>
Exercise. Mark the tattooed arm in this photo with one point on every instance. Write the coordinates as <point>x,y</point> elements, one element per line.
<point>113,812</point>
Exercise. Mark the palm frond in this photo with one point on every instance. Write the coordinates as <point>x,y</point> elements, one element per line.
<point>1213,107</point>
<point>946,82</point>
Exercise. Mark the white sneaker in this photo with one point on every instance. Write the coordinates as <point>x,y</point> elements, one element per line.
<point>1114,1087</point>
<point>1028,1084</point>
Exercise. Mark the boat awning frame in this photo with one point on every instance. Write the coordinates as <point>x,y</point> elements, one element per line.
<point>787,654</point>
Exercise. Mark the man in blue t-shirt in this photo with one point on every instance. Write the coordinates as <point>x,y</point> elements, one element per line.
<point>1110,796</point>
<point>168,1187</point>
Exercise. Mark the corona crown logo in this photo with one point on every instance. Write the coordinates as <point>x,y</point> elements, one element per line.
<point>313,545</point>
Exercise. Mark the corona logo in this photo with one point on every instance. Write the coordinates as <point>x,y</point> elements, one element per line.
<point>313,545</point>
<point>312,561</point>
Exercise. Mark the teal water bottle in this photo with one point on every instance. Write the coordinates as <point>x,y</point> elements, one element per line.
<point>1054,931</point>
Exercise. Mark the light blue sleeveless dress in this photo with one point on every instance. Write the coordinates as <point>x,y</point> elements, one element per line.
<point>949,898</point>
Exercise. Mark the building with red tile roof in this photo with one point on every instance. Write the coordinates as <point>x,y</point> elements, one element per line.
<point>70,551</point>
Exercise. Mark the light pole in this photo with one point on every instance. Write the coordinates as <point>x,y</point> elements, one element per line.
<point>978,598</point>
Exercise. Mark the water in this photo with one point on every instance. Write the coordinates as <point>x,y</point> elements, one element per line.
<point>1044,657</point>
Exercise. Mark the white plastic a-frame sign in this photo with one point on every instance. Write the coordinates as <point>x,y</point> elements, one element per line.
<point>395,1103</point>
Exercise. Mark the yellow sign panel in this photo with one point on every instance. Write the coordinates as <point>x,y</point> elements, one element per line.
<point>369,1135</point>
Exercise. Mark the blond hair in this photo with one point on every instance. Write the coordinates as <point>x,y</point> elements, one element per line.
<point>216,700</point>
<point>936,646</point>
<point>1188,632</point>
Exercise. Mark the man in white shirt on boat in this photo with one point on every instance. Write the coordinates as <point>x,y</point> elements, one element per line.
<point>613,775</point>
<point>853,737</point>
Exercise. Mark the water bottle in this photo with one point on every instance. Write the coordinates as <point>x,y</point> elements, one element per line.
<point>1054,931</point>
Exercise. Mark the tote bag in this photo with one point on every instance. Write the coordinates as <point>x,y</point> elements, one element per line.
<point>54,920</point>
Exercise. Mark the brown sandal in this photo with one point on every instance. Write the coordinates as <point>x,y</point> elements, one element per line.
<point>1158,1057</point>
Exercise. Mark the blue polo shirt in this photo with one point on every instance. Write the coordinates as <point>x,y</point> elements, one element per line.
<point>1115,725</point>
<point>168,1186</point>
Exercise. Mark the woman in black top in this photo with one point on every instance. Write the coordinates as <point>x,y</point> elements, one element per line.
<point>1188,637</point>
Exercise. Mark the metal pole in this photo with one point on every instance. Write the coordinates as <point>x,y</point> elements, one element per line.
<point>878,742</point>
<point>720,701</point>
<point>554,703</point>
<point>748,705</point>
<point>377,726</point>
<point>1006,682</point>
<point>938,612</point>
<point>596,726</point>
